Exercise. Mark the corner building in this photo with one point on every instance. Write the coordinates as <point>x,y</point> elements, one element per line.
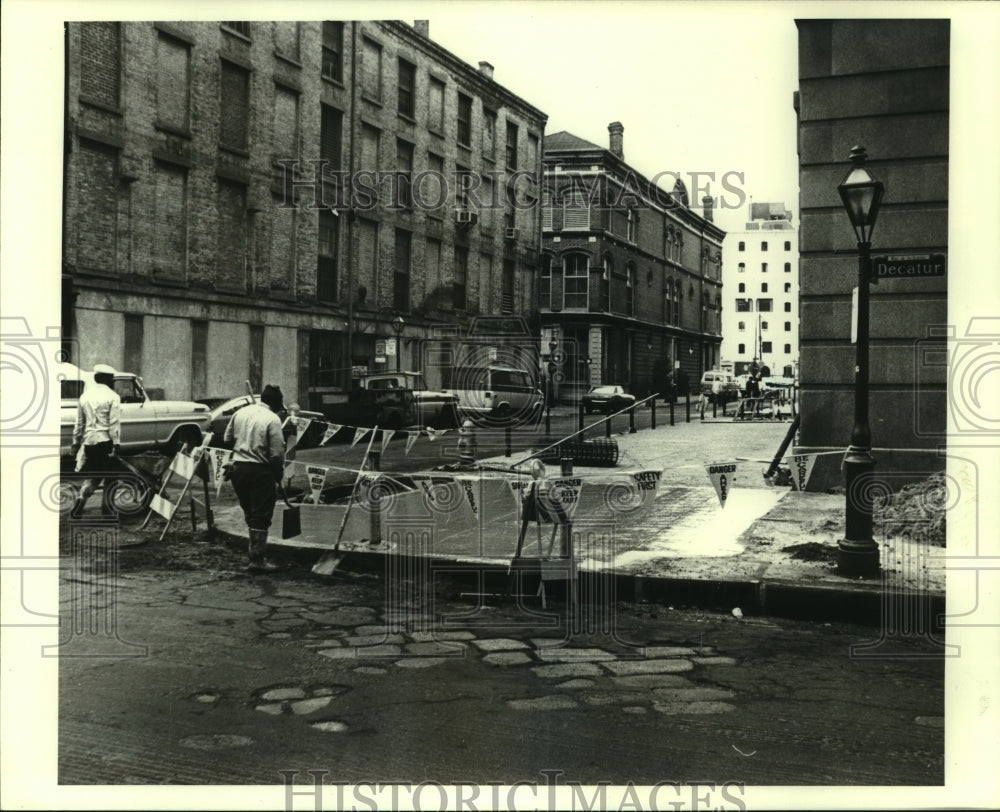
<point>894,102</point>
<point>263,200</point>
<point>630,283</point>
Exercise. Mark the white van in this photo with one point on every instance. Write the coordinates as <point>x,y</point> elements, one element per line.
<point>505,393</point>
<point>719,387</point>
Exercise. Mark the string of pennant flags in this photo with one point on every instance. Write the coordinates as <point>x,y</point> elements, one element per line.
<point>303,424</point>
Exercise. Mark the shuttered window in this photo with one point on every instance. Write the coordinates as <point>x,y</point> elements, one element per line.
<point>576,212</point>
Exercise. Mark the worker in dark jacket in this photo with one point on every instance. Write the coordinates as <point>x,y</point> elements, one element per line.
<point>257,467</point>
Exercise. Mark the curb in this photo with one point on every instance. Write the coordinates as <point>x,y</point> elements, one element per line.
<point>867,603</point>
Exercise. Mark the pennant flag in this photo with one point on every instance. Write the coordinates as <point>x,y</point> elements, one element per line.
<point>802,468</point>
<point>411,438</point>
<point>723,476</point>
<point>433,434</point>
<point>386,437</point>
<point>217,460</point>
<point>331,429</point>
<point>317,476</point>
<point>358,434</point>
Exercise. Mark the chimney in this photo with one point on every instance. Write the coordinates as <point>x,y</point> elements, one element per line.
<point>616,129</point>
<point>707,203</point>
<point>423,27</point>
<point>486,69</point>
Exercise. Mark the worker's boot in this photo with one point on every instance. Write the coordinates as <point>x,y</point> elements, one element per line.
<point>258,544</point>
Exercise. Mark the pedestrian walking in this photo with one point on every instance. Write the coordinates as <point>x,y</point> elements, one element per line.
<point>98,435</point>
<point>258,462</point>
<point>753,387</point>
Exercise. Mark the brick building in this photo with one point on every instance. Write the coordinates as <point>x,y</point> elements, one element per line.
<point>630,283</point>
<point>260,200</point>
<point>760,323</point>
<point>895,102</point>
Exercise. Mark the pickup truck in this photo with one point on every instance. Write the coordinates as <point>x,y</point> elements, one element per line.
<point>391,400</point>
<point>147,425</point>
<point>431,407</point>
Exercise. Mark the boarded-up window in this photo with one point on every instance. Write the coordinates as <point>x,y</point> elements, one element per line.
<point>169,248</point>
<point>367,257</point>
<point>286,39</point>
<point>173,82</point>
<point>97,214</point>
<point>235,106</point>
<point>231,236</point>
<point>401,271</point>
<point>371,70</point>
<point>331,137</point>
<point>100,62</point>
<point>286,122</point>
<point>282,263</point>
<point>432,263</point>
<point>369,148</point>
<point>435,105</point>
<point>460,281</point>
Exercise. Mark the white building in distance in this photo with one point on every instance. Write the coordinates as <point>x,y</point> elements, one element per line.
<point>760,313</point>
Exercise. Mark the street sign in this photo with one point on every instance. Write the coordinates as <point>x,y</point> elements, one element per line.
<point>909,266</point>
<point>390,346</point>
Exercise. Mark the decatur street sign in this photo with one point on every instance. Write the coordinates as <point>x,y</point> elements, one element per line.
<point>898,266</point>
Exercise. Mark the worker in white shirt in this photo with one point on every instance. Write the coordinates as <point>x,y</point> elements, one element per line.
<point>99,431</point>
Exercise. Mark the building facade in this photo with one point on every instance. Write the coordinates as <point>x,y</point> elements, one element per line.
<point>760,322</point>
<point>894,102</point>
<point>263,201</point>
<point>630,282</point>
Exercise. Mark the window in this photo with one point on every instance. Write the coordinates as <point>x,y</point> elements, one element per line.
<point>489,133</point>
<point>435,105</point>
<point>285,124</point>
<point>406,104</point>
<point>507,287</point>
<point>331,137</point>
<point>576,211</point>
<point>742,326</point>
<point>401,274</point>
<point>169,254</point>
<point>788,351</point>
<point>97,226</point>
<point>286,39</point>
<point>788,287</point>
<point>575,281</point>
<point>742,267</point>
<point>545,283</point>
<point>100,62</point>
<point>242,27</point>
<point>235,107</point>
<point>630,290</point>
<point>788,245</point>
<point>763,267</point>
<point>326,270</point>
<point>231,235</point>
<point>741,349</point>
<point>763,287</point>
<point>763,326</point>
<point>511,153</point>
<point>677,303</point>
<point>764,305</point>
<point>458,285</point>
<point>433,188</point>
<point>743,288</point>
<point>371,70</point>
<point>370,138</point>
<point>668,297</point>
<point>743,246</point>
<point>547,210</point>
<point>788,307</point>
<point>765,347</point>
<point>788,267</point>
<point>404,165</point>
<point>282,254</point>
<point>464,132</point>
<point>173,82</point>
<point>630,220</point>
<point>333,50</point>
<point>788,327</point>
<point>763,245</point>
<point>744,305</point>
<point>432,262</point>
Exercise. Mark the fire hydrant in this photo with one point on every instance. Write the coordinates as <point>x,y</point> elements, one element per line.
<point>467,444</point>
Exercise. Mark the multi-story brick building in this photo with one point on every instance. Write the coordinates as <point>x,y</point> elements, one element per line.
<point>760,322</point>
<point>894,102</point>
<point>630,284</point>
<point>260,200</point>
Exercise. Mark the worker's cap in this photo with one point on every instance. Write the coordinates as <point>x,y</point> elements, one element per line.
<point>103,369</point>
<point>271,395</point>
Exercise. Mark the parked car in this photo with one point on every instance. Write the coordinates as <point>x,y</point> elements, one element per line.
<point>147,425</point>
<point>607,399</point>
<point>224,411</point>
<point>719,387</point>
<point>431,407</point>
<point>494,393</point>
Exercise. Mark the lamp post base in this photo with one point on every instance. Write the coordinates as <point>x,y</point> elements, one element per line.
<point>860,558</point>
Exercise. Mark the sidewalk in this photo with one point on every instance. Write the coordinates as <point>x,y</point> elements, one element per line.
<point>770,550</point>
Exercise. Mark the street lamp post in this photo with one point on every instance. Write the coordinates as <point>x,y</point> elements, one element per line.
<point>397,326</point>
<point>858,553</point>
